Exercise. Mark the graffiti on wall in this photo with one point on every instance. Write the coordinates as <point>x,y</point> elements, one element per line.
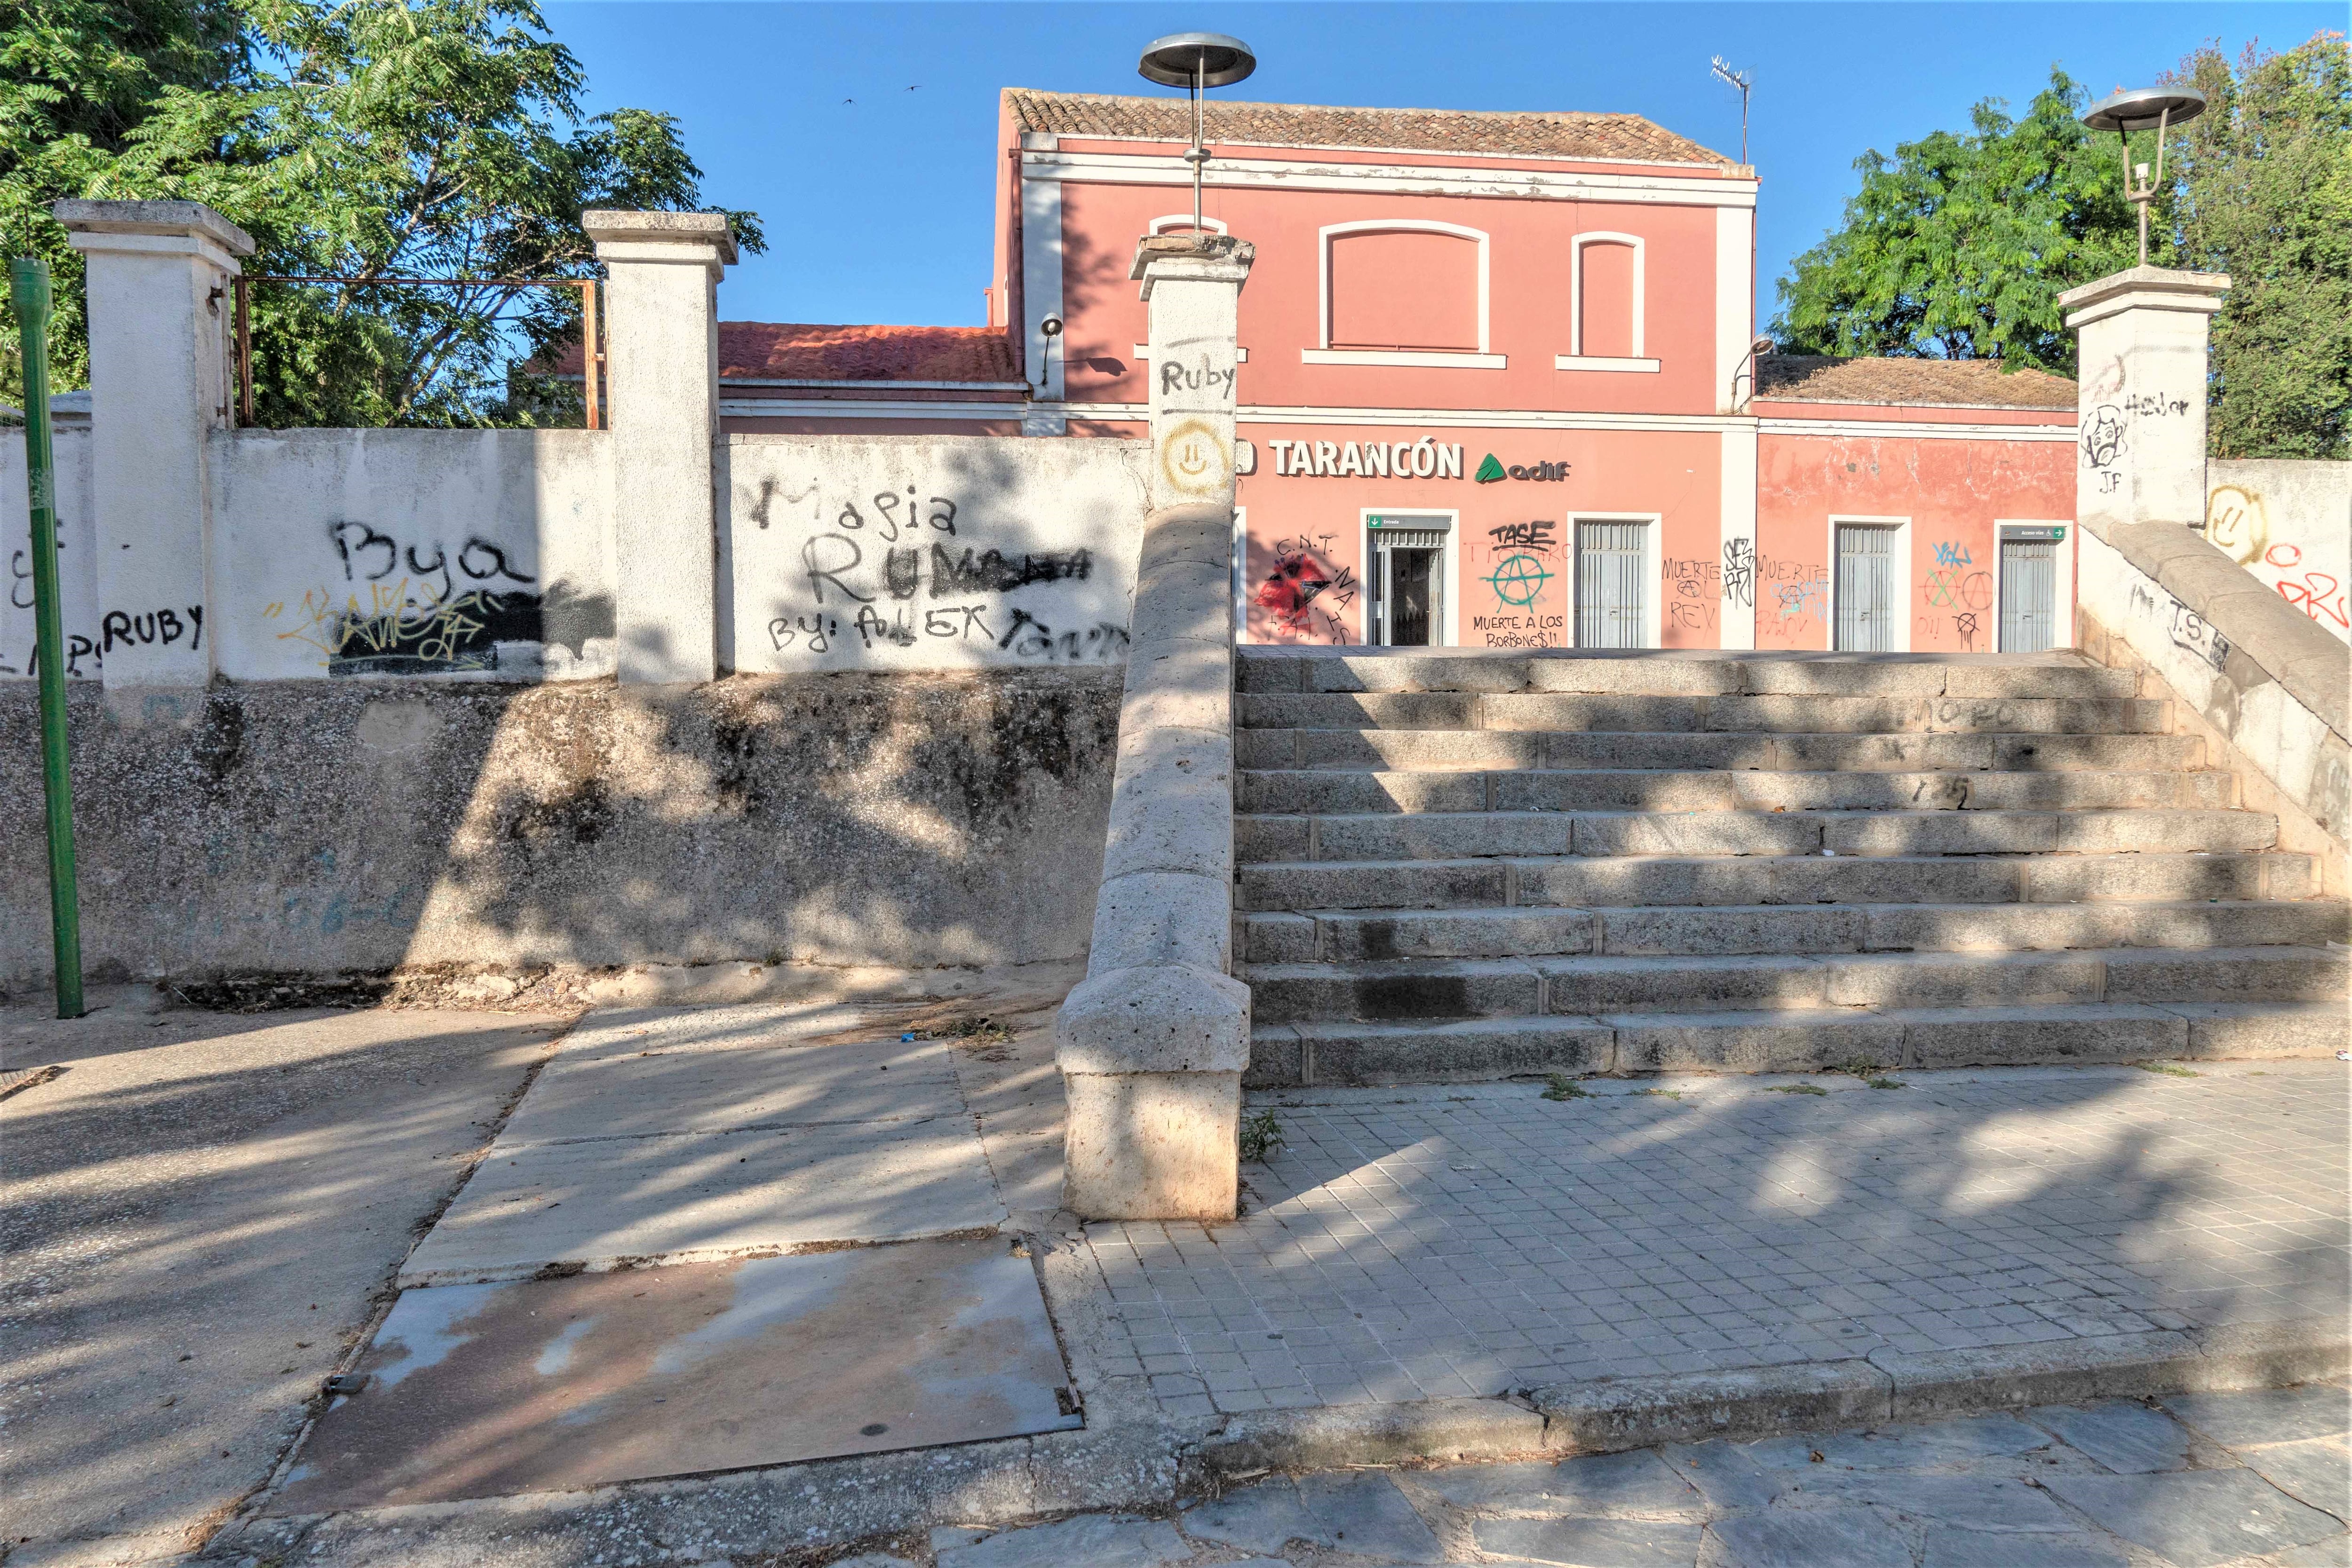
<point>1521,571</point>
<point>898,567</point>
<point>1794,598</point>
<point>1304,595</point>
<point>1740,571</point>
<point>2316,593</point>
<point>2238,522</point>
<point>1694,593</point>
<point>419,607</point>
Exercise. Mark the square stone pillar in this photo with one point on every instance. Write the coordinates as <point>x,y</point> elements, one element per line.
<point>1153,1044</point>
<point>161,318</point>
<point>661,336</point>
<point>2140,454</point>
<point>1193,286</point>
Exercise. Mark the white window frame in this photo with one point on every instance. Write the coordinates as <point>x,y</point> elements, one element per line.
<point>1905,591</point>
<point>2061,625</point>
<point>1449,569</point>
<point>1576,358</point>
<point>1654,606</point>
<point>1161,225</point>
<point>1447,359</point>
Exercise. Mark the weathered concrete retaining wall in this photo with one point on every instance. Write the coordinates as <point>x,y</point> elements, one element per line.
<point>484,555</point>
<point>319,826</point>
<point>926,551</point>
<point>2271,694</point>
<point>77,557</point>
<point>2289,522</point>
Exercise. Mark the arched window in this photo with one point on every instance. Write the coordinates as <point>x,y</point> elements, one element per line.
<point>1184,221</point>
<point>1605,304</point>
<point>1401,292</point>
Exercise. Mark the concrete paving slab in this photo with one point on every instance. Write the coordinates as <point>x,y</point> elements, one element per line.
<point>2237,1418</point>
<point>1360,1513</point>
<point>2317,1471</point>
<point>1991,1504</point>
<point>1829,1538</point>
<point>199,1211</point>
<point>1914,1448</point>
<point>739,1080</point>
<point>2197,1519</point>
<point>2124,1435</point>
<point>535,1385</point>
<point>1098,1541</point>
<point>1725,1474</point>
<point>1637,1482</point>
<point>1591,1543</point>
<point>702,1196</point>
<point>1948,1547</point>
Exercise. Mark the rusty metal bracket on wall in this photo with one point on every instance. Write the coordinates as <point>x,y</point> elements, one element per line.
<point>591,356</point>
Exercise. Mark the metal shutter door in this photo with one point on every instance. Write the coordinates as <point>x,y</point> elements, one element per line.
<point>2029,595</point>
<point>1865,587</point>
<point>1610,604</point>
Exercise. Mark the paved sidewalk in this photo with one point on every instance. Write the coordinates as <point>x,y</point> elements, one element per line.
<point>1417,1243</point>
<point>2194,1481</point>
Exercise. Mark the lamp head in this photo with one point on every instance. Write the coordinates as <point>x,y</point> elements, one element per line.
<point>1188,59</point>
<point>2146,109</point>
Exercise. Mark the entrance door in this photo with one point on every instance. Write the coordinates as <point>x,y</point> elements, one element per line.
<point>2028,591</point>
<point>1407,580</point>
<point>1865,587</point>
<point>1612,589</point>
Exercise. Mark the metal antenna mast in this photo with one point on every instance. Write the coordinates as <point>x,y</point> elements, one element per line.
<point>1722,71</point>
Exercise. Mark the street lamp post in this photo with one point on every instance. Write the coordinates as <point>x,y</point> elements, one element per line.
<point>1196,62</point>
<point>2156,109</point>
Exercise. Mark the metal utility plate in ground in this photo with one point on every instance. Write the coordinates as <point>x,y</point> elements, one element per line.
<point>547,1384</point>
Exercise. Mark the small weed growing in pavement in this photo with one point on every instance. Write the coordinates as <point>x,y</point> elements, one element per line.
<point>1665,1094</point>
<point>1261,1135</point>
<point>1560,1086</point>
<point>1796,1089</point>
<point>2164,1067</point>
<point>1887,1084</point>
<point>1857,1066</point>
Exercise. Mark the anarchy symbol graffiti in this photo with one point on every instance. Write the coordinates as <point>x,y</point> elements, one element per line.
<point>1518,578</point>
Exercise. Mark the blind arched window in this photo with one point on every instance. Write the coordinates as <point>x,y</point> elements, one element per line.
<point>1405,288</point>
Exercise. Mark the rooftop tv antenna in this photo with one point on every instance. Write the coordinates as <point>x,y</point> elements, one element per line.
<point>1196,62</point>
<point>1721,69</point>
<point>2156,109</point>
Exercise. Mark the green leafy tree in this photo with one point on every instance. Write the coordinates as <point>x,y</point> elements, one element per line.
<point>2262,191</point>
<point>1960,246</point>
<point>371,139</point>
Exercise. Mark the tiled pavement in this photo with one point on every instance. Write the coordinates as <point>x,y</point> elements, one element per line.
<point>2196,1481</point>
<point>1426,1241</point>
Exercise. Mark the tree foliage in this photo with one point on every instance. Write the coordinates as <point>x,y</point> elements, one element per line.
<point>2263,192</point>
<point>365,139</point>
<point>1960,246</point>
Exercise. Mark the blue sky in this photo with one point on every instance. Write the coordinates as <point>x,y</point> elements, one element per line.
<point>877,198</point>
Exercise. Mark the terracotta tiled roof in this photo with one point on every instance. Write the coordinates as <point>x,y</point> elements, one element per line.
<point>1964,384</point>
<point>1562,135</point>
<point>794,350</point>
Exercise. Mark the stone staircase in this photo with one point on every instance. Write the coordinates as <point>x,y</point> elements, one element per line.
<point>1468,865</point>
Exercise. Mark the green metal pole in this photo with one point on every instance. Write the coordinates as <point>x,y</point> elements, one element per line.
<point>28,291</point>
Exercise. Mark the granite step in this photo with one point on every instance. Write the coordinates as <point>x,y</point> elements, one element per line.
<point>1621,881</point>
<point>1684,674</point>
<point>1788,1040</point>
<point>1546,711</point>
<point>1449,835</point>
<point>1795,751</point>
<point>1332,791</point>
<point>1346,935</point>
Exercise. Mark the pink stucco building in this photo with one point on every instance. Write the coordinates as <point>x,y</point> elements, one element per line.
<point>1501,388</point>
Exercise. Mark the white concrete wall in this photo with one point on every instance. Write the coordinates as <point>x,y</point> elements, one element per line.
<point>926,552</point>
<point>2289,522</point>
<point>431,554</point>
<point>77,555</point>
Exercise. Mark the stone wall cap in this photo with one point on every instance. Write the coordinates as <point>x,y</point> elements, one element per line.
<point>1189,247</point>
<point>604,225</point>
<point>189,218</point>
<point>2145,280</point>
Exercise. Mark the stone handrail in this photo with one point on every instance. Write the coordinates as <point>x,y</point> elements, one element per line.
<point>1152,1044</point>
<point>2274,684</point>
